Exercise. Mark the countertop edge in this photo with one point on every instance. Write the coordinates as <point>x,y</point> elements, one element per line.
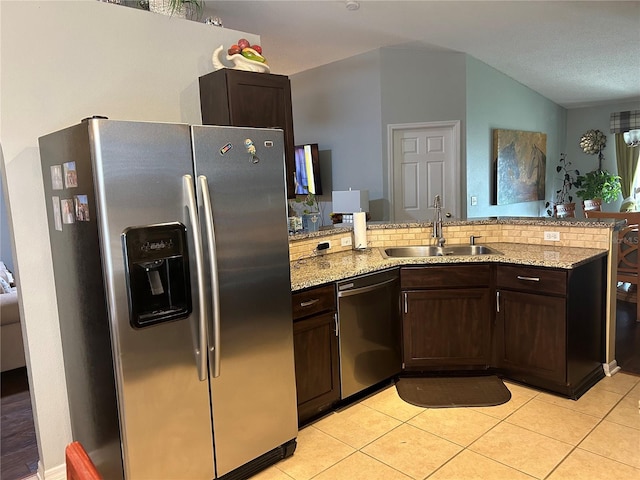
<point>321,269</point>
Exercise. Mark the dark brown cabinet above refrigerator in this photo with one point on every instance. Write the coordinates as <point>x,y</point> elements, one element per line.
<point>250,99</point>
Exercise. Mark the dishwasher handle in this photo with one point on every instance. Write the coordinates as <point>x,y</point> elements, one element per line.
<point>368,288</point>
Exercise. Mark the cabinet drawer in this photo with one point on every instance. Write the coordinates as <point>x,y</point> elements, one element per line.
<point>311,302</point>
<point>445,276</point>
<point>532,279</point>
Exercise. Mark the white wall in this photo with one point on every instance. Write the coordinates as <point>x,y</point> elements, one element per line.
<point>62,61</point>
<point>337,106</point>
<point>421,86</point>
<point>346,106</point>
<point>349,104</point>
<point>495,100</point>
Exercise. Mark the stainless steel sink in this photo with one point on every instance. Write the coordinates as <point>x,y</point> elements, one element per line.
<point>469,250</point>
<point>435,251</point>
<point>427,251</point>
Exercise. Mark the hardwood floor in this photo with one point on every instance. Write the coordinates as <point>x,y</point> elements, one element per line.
<point>18,447</point>
<point>19,451</point>
<point>627,338</point>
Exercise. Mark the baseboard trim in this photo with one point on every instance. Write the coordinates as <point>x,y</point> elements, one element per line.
<point>611,368</point>
<point>56,473</point>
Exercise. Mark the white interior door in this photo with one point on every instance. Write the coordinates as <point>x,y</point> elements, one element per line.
<point>425,162</point>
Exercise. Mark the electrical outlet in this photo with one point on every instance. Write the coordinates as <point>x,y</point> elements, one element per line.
<point>552,236</point>
<point>345,241</point>
<point>474,200</point>
<point>322,246</point>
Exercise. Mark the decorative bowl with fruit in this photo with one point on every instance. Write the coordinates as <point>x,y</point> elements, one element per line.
<point>243,56</point>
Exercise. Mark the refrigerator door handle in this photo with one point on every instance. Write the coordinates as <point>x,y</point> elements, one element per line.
<point>214,349</point>
<point>201,334</point>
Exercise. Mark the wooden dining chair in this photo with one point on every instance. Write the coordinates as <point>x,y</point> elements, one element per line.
<point>628,269</point>
<point>79,465</point>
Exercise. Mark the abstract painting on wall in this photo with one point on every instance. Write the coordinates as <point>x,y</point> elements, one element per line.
<point>520,164</point>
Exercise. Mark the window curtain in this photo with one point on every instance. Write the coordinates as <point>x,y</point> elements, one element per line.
<point>627,159</point>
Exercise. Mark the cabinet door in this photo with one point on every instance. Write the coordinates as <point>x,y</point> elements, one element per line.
<point>447,328</point>
<point>316,359</point>
<point>250,99</point>
<point>531,335</point>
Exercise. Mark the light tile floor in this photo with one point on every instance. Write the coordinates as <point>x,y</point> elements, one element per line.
<point>533,436</point>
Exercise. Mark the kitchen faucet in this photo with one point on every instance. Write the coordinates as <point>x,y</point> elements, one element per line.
<point>437,222</point>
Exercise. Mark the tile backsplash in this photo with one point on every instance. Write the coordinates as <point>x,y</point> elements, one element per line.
<point>570,236</point>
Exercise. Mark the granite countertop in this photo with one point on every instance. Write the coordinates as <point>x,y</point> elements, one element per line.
<point>320,269</point>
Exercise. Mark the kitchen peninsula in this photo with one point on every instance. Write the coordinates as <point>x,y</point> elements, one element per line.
<point>533,310</point>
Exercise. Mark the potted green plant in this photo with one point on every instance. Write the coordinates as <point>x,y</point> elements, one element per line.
<point>599,186</point>
<point>563,205</point>
<point>307,207</point>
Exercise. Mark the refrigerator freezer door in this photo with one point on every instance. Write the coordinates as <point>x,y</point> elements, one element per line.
<point>164,408</point>
<point>253,398</point>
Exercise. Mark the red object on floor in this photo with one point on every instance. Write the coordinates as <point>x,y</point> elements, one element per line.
<point>79,465</point>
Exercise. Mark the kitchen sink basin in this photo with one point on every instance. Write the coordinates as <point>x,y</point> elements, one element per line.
<point>469,250</point>
<point>429,251</point>
<point>434,251</point>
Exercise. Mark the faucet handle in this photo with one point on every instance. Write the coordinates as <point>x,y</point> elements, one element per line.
<point>472,239</point>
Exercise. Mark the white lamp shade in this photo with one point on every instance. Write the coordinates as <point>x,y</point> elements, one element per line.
<point>350,201</point>
<point>632,138</point>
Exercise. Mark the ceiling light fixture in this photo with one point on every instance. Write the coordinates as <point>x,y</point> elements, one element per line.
<point>632,138</point>
<point>352,5</point>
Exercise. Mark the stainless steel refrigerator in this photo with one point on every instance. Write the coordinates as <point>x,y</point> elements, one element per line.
<point>171,265</point>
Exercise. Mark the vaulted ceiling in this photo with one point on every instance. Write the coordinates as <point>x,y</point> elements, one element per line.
<point>576,53</point>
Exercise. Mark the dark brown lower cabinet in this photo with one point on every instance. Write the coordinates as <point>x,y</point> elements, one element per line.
<point>531,336</point>
<point>550,325</point>
<point>544,328</point>
<point>447,329</point>
<point>446,320</point>
<point>315,343</point>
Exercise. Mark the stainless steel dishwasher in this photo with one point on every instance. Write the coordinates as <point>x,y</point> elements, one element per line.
<point>369,326</point>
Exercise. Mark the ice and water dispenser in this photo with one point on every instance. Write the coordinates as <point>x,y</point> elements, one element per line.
<point>157,269</point>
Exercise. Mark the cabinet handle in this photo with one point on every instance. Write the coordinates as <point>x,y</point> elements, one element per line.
<point>308,303</point>
<point>529,279</point>
<point>335,319</point>
<point>406,303</point>
<point>498,302</point>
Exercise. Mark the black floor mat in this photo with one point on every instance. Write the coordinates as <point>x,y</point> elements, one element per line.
<point>443,392</point>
